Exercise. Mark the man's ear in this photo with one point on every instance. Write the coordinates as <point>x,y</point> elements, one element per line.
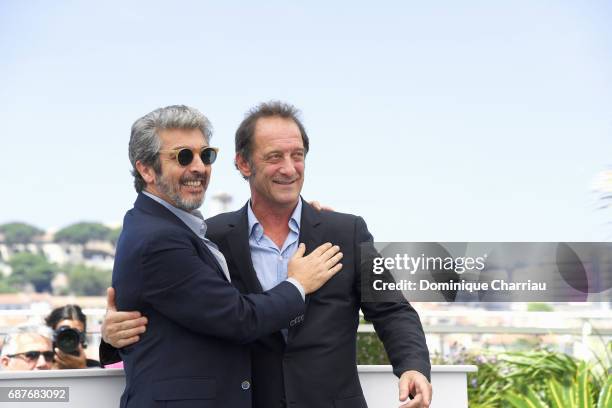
<point>4,361</point>
<point>243,165</point>
<point>146,172</point>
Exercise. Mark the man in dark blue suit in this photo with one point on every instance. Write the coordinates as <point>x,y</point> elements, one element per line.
<point>194,354</point>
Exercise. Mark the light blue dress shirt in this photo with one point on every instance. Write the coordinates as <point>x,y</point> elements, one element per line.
<point>270,261</point>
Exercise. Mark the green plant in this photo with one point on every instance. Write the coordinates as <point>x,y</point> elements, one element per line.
<point>579,393</point>
<point>534,379</point>
<point>370,350</point>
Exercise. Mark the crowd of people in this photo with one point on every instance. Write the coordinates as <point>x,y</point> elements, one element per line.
<point>58,345</point>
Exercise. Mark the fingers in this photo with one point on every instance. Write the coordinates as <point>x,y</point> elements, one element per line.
<point>300,251</point>
<point>316,205</point>
<point>127,328</point>
<point>404,387</point>
<point>124,317</point>
<point>321,249</point>
<point>319,207</point>
<point>313,270</point>
<point>66,360</point>
<point>325,252</point>
<point>121,328</point>
<point>417,384</point>
<point>126,342</point>
<point>331,252</point>
<point>417,402</point>
<point>110,299</point>
<point>423,388</point>
<point>334,260</point>
<point>337,268</point>
<point>65,357</point>
<point>130,333</point>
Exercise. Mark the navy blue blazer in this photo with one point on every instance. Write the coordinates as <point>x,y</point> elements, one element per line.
<point>194,351</point>
<point>315,367</point>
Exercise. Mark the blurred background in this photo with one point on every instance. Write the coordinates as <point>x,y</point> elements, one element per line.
<point>435,121</point>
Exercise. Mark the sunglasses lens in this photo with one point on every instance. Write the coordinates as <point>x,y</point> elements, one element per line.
<point>208,155</point>
<point>184,157</point>
<point>32,355</point>
<point>49,355</point>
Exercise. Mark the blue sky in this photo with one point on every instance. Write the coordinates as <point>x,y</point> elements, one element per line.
<point>435,121</point>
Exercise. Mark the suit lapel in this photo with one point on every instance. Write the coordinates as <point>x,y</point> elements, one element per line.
<point>310,231</point>
<point>238,242</point>
<point>212,257</point>
<point>149,205</point>
<point>311,236</point>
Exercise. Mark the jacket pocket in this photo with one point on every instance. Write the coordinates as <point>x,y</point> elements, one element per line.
<point>193,388</point>
<point>352,402</point>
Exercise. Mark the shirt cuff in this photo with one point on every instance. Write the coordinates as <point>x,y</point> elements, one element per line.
<point>299,287</point>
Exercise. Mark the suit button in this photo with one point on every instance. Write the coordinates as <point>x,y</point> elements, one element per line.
<point>245,385</point>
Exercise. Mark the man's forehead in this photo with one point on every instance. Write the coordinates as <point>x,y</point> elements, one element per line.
<point>32,342</point>
<point>274,133</point>
<point>182,138</point>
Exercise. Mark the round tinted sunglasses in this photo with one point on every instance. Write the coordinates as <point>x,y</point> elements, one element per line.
<point>184,156</point>
<point>32,356</point>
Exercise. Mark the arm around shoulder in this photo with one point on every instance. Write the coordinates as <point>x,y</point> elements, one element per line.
<point>179,284</point>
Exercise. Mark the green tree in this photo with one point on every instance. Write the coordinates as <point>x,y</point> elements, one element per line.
<point>86,281</point>
<point>19,232</point>
<point>82,232</point>
<point>34,269</point>
<point>5,286</point>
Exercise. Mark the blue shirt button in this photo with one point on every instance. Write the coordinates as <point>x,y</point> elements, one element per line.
<point>245,385</point>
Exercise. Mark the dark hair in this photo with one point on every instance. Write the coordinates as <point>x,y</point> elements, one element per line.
<point>246,130</point>
<point>68,312</point>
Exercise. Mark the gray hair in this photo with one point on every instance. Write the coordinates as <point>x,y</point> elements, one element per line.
<point>145,143</point>
<point>9,344</point>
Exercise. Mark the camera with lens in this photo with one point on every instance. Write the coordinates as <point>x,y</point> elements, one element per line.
<point>68,339</point>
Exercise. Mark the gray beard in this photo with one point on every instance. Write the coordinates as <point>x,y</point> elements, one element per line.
<point>169,190</point>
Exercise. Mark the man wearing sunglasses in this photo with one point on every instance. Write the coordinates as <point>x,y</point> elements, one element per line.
<point>311,364</point>
<point>194,353</point>
<point>26,350</point>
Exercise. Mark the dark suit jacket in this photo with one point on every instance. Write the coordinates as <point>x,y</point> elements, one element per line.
<point>316,366</point>
<point>193,353</point>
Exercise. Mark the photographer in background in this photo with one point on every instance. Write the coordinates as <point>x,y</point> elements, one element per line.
<point>69,326</point>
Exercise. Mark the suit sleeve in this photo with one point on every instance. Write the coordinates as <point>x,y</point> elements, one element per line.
<point>396,323</point>
<point>181,286</point>
<point>108,354</point>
